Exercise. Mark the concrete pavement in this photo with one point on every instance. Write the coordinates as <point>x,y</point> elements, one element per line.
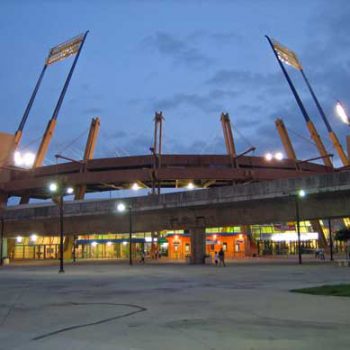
<point>171,306</point>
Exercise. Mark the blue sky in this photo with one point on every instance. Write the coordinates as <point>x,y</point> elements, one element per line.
<point>189,59</point>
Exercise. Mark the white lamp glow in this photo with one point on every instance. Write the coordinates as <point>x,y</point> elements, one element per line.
<point>25,160</point>
<point>268,156</point>
<point>301,193</point>
<point>53,187</point>
<point>190,186</point>
<point>135,186</point>
<point>341,113</point>
<point>121,207</point>
<point>279,155</point>
<point>70,190</point>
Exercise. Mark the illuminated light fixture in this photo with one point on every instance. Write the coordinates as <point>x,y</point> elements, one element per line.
<point>286,55</point>
<point>94,244</point>
<point>293,236</point>
<point>214,236</point>
<point>279,156</point>
<point>70,190</point>
<point>53,187</point>
<point>25,160</point>
<point>339,108</point>
<point>19,239</point>
<point>190,186</point>
<point>135,186</point>
<point>109,243</point>
<point>125,243</point>
<point>268,156</point>
<point>121,207</point>
<point>33,237</point>
<point>301,193</point>
<point>64,50</point>
<point>176,237</point>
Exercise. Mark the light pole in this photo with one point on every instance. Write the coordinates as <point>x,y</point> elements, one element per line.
<point>2,240</point>
<point>121,207</point>
<point>330,238</point>
<point>60,191</point>
<point>299,194</point>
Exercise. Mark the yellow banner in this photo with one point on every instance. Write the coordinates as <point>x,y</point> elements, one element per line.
<point>64,50</point>
<point>286,56</point>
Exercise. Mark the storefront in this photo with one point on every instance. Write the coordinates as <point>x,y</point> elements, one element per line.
<point>285,243</point>
<point>108,248</point>
<point>233,244</point>
<point>33,247</point>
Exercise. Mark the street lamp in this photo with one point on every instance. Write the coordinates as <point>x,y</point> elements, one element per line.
<point>298,195</point>
<point>121,207</point>
<point>60,191</point>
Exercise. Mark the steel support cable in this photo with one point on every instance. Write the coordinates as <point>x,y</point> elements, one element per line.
<point>242,136</point>
<point>328,143</point>
<point>74,140</point>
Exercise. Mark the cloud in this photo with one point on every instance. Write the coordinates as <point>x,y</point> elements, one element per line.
<point>93,111</point>
<point>209,102</point>
<point>244,79</point>
<point>194,100</point>
<point>216,38</point>
<point>179,51</point>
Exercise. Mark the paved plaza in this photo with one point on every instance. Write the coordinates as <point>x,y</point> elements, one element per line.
<point>109,306</point>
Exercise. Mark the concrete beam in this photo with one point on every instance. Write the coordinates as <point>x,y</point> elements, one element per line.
<point>328,196</point>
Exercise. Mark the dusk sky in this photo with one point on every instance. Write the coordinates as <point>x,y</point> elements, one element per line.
<point>190,59</point>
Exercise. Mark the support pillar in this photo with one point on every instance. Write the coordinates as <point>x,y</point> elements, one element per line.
<point>250,245</point>
<point>197,245</point>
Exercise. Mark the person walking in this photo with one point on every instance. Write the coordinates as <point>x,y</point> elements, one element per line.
<point>222,257</point>
<point>216,258</point>
<point>142,258</point>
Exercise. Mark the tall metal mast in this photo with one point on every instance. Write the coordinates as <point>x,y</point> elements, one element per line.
<point>311,127</point>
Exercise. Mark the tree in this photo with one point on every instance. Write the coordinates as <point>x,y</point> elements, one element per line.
<point>343,235</point>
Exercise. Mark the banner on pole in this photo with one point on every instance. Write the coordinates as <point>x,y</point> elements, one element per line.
<point>286,56</point>
<point>64,50</point>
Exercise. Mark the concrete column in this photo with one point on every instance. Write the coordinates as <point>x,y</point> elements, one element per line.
<point>197,245</point>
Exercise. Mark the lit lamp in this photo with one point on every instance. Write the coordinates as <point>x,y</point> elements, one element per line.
<point>190,186</point>
<point>298,195</point>
<point>121,207</point>
<point>340,110</point>
<point>60,190</point>
<point>277,156</point>
<point>25,160</point>
<point>135,186</point>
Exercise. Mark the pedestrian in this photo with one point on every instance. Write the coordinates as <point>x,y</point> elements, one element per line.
<point>142,260</point>
<point>222,257</point>
<point>216,258</point>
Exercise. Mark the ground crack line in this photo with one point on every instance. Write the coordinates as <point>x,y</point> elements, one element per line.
<point>139,309</point>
